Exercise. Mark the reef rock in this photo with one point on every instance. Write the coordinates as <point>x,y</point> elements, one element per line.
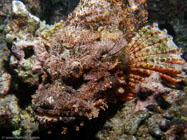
<point>20,122</point>
<point>158,112</point>
<point>94,57</point>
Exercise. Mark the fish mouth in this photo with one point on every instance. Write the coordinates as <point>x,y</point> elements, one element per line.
<point>45,117</point>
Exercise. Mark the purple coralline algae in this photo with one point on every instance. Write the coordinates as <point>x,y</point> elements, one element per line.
<point>98,55</point>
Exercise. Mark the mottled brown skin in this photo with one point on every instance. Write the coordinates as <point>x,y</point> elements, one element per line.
<point>81,72</point>
<point>80,85</point>
<point>93,58</point>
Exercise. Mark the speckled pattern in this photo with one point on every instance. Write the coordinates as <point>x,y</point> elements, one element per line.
<point>95,57</point>
<point>80,62</point>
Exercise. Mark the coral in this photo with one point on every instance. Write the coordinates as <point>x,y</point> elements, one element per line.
<point>93,58</point>
<point>76,59</point>
<point>5,17</point>
<point>164,118</point>
<point>147,94</point>
<point>125,121</point>
<point>24,20</point>
<point>5,80</point>
<point>28,24</point>
<point>5,77</point>
<point>14,118</point>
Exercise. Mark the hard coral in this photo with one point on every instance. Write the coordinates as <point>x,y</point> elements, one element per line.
<point>147,93</point>
<point>81,62</point>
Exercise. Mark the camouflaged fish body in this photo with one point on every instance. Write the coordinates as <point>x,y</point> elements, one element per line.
<point>96,56</point>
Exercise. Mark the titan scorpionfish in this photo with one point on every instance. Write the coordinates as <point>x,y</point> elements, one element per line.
<point>94,57</point>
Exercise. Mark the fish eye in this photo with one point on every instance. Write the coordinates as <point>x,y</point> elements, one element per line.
<point>77,72</point>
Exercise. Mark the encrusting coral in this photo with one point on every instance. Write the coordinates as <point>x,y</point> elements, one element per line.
<point>92,58</point>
